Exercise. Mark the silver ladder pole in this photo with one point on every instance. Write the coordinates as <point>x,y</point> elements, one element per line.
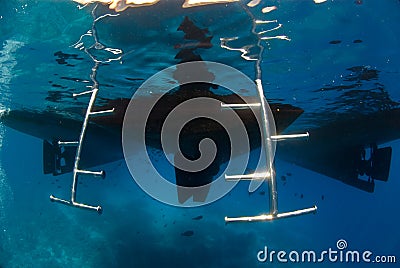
<point>80,142</point>
<point>273,194</point>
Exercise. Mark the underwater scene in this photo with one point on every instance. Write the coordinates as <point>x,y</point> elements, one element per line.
<point>199,133</point>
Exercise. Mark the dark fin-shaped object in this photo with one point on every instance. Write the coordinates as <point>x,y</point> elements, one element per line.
<point>57,159</point>
<point>49,163</point>
<point>342,154</point>
<point>342,163</point>
<point>197,184</point>
<point>364,185</point>
<point>199,194</point>
<point>194,184</point>
<point>381,159</point>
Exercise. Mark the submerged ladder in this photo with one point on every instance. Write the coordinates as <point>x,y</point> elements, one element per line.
<point>89,113</point>
<point>269,175</point>
<point>77,171</point>
<point>267,138</point>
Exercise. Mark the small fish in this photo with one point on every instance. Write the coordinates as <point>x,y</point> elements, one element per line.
<point>301,196</point>
<point>283,178</point>
<point>357,41</point>
<point>134,79</point>
<point>334,42</point>
<point>288,174</point>
<point>197,218</point>
<point>262,193</point>
<point>187,233</point>
<point>322,197</point>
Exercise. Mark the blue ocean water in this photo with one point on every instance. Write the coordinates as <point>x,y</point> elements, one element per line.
<point>342,60</point>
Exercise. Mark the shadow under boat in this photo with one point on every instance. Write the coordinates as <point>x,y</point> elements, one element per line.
<point>103,144</point>
<point>345,149</point>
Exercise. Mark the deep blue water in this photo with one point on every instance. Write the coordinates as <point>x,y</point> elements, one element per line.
<point>343,60</point>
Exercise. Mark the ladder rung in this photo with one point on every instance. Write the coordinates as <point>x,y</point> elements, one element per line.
<point>239,106</point>
<point>270,217</point>
<point>80,205</point>
<point>94,173</point>
<point>68,143</point>
<point>105,112</point>
<point>82,93</point>
<point>290,136</point>
<point>253,176</point>
<point>66,202</point>
<point>75,204</point>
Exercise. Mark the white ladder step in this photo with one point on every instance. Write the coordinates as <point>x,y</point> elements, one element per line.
<point>53,198</point>
<point>82,93</point>
<point>239,106</point>
<point>76,204</point>
<point>68,143</point>
<point>105,112</point>
<point>94,173</point>
<point>253,176</point>
<point>270,217</point>
<point>290,136</point>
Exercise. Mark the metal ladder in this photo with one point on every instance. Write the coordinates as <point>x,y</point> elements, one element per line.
<point>269,175</point>
<point>89,113</point>
<point>77,171</point>
<point>267,138</point>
